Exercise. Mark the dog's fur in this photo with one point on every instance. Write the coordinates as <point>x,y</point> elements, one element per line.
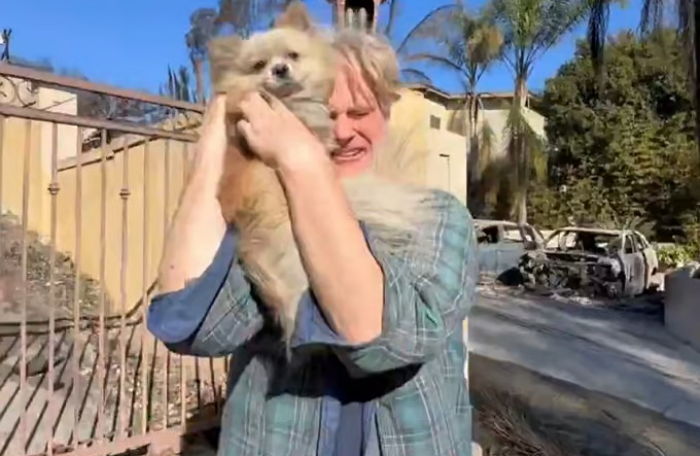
<point>250,194</point>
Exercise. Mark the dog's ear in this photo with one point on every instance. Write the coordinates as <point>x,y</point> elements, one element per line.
<point>223,52</point>
<point>296,16</point>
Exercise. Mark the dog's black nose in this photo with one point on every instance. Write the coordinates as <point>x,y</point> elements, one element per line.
<point>281,70</point>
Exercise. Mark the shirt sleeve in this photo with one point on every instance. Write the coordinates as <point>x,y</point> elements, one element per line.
<point>211,316</point>
<point>426,296</point>
<point>311,325</point>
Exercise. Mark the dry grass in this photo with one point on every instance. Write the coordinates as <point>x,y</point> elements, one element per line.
<point>504,427</point>
<point>38,256</point>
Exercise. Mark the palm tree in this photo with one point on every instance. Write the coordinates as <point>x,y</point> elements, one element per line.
<point>465,46</point>
<point>202,27</point>
<point>689,33</point>
<point>178,85</point>
<point>530,29</point>
<point>652,19</point>
<point>242,16</point>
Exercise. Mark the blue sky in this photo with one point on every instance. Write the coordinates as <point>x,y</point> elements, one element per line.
<point>130,43</point>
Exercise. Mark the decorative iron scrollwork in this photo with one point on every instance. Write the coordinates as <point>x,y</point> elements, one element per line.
<point>17,92</point>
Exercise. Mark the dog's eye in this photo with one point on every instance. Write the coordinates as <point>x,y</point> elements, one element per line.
<point>259,65</point>
<point>293,55</point>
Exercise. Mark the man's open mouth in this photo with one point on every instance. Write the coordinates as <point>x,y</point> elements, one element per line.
<point>347,154</point>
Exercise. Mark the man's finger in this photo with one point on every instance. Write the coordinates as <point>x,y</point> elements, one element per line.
<point>276,104</point>
<point>266,96</point>
<point>253,106</point>
<point>254,99</point>
<point>245,128</point>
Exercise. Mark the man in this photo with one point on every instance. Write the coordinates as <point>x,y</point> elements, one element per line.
<point>378,357</point>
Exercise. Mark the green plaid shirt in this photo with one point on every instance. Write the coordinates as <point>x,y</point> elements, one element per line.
<point>413,372</point>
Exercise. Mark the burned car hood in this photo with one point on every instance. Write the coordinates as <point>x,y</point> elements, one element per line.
<point>573,256</point>
<point>576,258</point>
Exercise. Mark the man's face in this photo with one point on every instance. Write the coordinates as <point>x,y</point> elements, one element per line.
<point>359,122</point>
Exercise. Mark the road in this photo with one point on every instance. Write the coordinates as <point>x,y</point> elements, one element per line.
<point>624,355</point>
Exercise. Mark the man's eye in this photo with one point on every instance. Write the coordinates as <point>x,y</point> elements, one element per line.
<point>259,65</point>
<point>358,114</point>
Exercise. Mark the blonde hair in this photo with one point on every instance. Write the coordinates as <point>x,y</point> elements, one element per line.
<point>371,63</point>
<point>377,64</point>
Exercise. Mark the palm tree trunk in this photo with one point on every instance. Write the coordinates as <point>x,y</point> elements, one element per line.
<point>696,71</point>
<point>199,79</point>
<point>479,161</point>
<point>469,170</point>
<point>522,152</point>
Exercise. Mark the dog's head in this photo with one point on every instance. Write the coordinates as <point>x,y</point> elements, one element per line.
<point>290,60</point>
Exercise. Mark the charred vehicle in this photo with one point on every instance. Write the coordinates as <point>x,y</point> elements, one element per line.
<point>611,263</point>
<point>501,244</point>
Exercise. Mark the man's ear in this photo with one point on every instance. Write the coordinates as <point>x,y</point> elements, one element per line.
<point>222,55</point>
<point>296,16</point>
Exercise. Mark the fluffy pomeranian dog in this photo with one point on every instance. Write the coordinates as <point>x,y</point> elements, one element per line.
<point>298,65</point>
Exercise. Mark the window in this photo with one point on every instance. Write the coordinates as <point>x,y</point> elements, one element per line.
<point>512,234</point>
<point>488,235</point>
<point>434,122</point>
<point>532,235</point>
<point>640,241</point>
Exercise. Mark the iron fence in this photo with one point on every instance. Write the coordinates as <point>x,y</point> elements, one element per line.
<point>79,373</point>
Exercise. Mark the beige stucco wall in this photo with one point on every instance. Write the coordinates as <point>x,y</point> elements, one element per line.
<point>443,151</point>
<point>149,206</point>
<point>438,154</point>
<point>21,141</point>
<point>40,149</point>
<point>497,119</point>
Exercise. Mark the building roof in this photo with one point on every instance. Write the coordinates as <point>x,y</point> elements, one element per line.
<point>427,88</point>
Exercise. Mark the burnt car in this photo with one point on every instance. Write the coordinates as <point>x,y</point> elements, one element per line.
<point>501,245</point>
<point>613,263</point>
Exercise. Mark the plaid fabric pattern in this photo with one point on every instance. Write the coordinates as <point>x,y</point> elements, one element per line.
<point>414,370</point>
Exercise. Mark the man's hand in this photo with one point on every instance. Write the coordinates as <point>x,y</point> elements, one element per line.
<point>275,134</point>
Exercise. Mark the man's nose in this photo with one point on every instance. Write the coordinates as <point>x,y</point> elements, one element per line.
<point>343,130</point>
